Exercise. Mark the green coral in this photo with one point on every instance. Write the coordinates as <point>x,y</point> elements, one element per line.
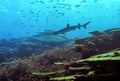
<point>11,62</point>
<point>105,56</point>
<point>43,73</point>
<point>47,73</point>
<point>66,78</point>
<point>101,57</point>
<point>59,63</point>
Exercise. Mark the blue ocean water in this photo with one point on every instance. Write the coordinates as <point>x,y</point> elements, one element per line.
<point>23,18</point>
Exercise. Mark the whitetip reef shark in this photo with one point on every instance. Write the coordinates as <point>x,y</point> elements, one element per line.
<point>70,28</point>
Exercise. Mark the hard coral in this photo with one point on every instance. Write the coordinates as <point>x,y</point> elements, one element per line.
<point>22,70</point>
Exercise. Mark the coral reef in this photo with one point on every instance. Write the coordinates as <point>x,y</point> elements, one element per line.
<point>24,47</point>
<point>100,43</point>
<point>96,58</point>
<point>66,78</point>
<point>38,67</point>
<point>100,67</point>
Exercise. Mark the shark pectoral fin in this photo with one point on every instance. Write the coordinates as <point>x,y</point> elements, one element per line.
<point>84,26</point>
<point>68,25</point>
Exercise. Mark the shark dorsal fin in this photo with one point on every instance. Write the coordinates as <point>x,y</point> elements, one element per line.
<point>68,25</point>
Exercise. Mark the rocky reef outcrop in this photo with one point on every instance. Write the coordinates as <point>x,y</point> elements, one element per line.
<point>100,42</point>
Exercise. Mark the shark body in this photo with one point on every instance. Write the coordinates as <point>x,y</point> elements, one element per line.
<point>70,28</point>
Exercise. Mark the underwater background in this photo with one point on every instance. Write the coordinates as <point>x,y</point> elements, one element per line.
<point>23,18</point>
<point>59,40</point>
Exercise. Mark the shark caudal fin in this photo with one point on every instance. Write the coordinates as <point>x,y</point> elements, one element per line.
<point>84,25</point>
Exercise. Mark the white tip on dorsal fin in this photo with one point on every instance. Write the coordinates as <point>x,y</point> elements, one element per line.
<point>68,25</point>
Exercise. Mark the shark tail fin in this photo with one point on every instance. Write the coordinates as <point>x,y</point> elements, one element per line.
<point>84,25</point>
